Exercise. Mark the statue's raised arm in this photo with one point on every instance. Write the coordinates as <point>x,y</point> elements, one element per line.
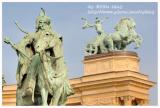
<point>8,41</point>
<point>86,23</point>
<point>97,26</point>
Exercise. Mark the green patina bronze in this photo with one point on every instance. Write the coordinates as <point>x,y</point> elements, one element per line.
<point>42,73</point>
<point>3,81</point>
<point>124,35</point>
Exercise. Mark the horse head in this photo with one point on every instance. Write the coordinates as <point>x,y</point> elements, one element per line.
<point>132,34</point>
<point>125,24</point>
<point>131,23</point>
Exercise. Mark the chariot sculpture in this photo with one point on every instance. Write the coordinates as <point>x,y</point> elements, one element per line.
<point>124,35</point>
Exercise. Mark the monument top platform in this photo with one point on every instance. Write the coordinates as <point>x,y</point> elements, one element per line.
<point>115,53</point>
<point>111,62</point>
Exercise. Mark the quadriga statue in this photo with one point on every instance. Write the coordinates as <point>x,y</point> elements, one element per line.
<point>124,35</point>
<point>42,72</point>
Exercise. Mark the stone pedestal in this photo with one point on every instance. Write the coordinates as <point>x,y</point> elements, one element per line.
<point>111,62</point>
<point>109,79</point>
<point>114,79</point>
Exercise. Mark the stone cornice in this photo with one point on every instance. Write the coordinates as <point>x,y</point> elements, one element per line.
<point>116,53</point>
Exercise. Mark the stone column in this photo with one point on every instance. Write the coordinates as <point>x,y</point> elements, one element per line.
<point>128,100</point>
<point>143,102</point>
<point>115,101</point>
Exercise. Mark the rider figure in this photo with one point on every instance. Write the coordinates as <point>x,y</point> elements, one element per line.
<point>43,28</point>
<point>98,25</point>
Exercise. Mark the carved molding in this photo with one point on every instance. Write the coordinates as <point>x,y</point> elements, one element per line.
<point>101,101</point>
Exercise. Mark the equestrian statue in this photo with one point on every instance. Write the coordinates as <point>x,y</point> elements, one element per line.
<point>41,73</point>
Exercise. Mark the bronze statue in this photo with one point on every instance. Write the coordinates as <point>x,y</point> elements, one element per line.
<point>124,35</point>
<point>41,73</point>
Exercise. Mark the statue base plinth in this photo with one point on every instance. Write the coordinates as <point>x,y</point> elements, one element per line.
<point>109,62</point>
<point>112,79</point>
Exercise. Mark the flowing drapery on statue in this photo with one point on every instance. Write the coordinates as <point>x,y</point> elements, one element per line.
<point>42,73</point>
<point>124,35</point>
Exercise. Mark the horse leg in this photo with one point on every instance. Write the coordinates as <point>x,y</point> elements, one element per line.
<point>43,91</point>
<point>108,44</point>
<point>56,97</point>
<point>119,46</point>
<point>111,46</point>
<point>44,95</point>
<point>42,84</point>
<point>103,49</point>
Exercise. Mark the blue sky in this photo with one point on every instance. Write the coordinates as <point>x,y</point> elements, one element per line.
<point>66,20</point>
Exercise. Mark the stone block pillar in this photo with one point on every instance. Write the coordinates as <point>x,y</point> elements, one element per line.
<point>117,80</point>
